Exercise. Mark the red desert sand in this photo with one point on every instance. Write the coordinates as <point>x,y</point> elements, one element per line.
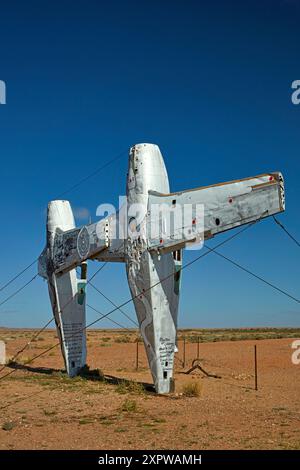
<point>112,408</point>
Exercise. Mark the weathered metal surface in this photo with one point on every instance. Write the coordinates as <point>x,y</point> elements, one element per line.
<point>156,303</point>
<point>67,294</point>
<point>153,262</point>
<point>226,206</point>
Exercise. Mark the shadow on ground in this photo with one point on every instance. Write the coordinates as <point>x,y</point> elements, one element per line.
<point>86,373</point>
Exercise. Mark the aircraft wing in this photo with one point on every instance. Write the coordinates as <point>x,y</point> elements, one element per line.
<point>224,206</point>
<point>71,247</point>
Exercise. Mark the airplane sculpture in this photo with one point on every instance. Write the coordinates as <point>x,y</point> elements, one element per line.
<point>153,260</point>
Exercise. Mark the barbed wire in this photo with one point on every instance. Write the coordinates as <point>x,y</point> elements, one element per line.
<point>76,185</point>
<point>190,263</point>
<point>286,231</point>
<point>18,290</point>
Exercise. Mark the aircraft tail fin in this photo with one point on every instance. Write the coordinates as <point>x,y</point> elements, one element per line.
<point>67,293</point>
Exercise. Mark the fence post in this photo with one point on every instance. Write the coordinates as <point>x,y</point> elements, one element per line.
<point>198,347</point>
<point>137,354</point>
<point>255,366</point>
<point>183,362</point>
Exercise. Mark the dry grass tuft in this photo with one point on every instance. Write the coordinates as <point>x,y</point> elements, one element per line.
<point>129,406</point>
<point>130,387</point>
<point>192,389</point>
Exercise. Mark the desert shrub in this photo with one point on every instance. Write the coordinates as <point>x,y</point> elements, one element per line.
<point>92,374</point>
<point>192,389</point>
<point>49,412</point>
<point>10,361</point>
<point>25,360</point>
<point>129,406</point>
<point>8,426</point>
<point>130,387</point>
<point>86,421</point>
<point>123,339</point>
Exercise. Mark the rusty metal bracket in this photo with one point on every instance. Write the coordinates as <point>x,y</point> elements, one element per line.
<point>196,364</point>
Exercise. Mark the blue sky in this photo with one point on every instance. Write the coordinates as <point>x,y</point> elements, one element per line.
<point>209,82</point>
